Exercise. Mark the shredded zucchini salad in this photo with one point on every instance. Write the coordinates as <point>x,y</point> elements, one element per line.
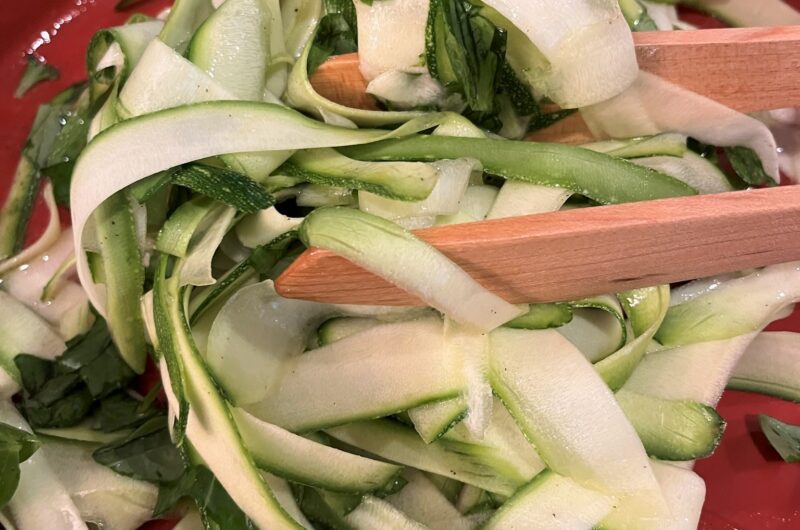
<point>149,369</point>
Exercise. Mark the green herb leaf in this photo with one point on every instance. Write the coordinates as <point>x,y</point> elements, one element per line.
<point>42,141</point>
<point>146,454</point>
<point>325,508</point>
<point>35,372</point>
<point>27,442</point>
<point>16,446</point>
<point>346,8</point>
<point>214,503</point>
<point>120,411</point>
<point>466,52</point>
<point>71,107</point>
<point>98,362</point>
<point>63,392</point>
<point>9,472</point>
<point>543,121</point>
<point>58,136</point>
<point>83,350</point>
<point>748,167</point>
<point>68,144</point>
<point>36,71</point>
<point>63,402</point>
<point>335,36</point>
<point>122,5</point>
<point>107,373</point>
<point>520,95</point>
<point>223,185</point>
<point>784,437</point>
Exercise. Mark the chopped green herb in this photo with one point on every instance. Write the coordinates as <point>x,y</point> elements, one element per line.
<point>748,166</point>
<point>325,508</point>
<point>120,411</point>
<point>465,52</point>
<point>346,8</point>
<point>146,454</point>
<point>122,5</point>
<point>335,37</point>
<point>519,94</point>
<point>63,392</point>
<point>543,121</point>
<point>784,437</point>
<point>36,71</point>
<point>16,446</point>
<point>47,151</point>
<point>215,505</point>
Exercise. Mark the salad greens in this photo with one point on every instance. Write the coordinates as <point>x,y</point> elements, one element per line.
<point>16,446</point>
<point>785,438</point>
<point>199,161</point>
<point>36,71</point>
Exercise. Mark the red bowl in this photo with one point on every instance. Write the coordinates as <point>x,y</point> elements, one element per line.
<point>748,485</point>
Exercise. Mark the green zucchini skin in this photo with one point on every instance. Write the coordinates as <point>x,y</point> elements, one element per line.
<point>204,415</point>
<point>770,366</point>
<point>551,499</point>
<point>17,209</point>
<point>673,430</point>
<point>398,443</point>
<point>124,278</point>
<point>602,178</point>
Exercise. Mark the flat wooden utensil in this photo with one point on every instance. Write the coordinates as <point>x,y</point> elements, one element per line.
<point>579,253</point>
<point>584,252</point>
<point>737,67</point>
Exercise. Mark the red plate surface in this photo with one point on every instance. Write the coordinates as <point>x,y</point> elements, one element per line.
<point>748,486</point>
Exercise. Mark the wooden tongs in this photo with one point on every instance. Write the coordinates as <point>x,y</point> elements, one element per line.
<point>578,253</point>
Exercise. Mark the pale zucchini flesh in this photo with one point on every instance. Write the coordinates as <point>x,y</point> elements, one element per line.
<point>770,366</point>
<point>395,442</point>
<point>434,420</point>
<point>209,425</point>
<point>308,462</point>
<point>571,416</point>
<point>673,430</point>
<point>551,501</point>
<point>327,386</point>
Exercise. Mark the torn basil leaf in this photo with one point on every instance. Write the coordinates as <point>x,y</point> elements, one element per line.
<point>335,37</point>
<point>223,185</point>
<point>122,5</point>
<point>518,93</point>
<point>36,71</point>
<point>146,454</point>
<point>747,165</point>
<point>120,411</point>
<point>58,136</point>
<point>325,508</point>
<point>347,9</point>
<point>465,52</point>
<point>213,502</point>
<point>63,392</point>
<point>43,140</point>
<point>784,437</point>
<point>545,120</point>
<point>16,446</point>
